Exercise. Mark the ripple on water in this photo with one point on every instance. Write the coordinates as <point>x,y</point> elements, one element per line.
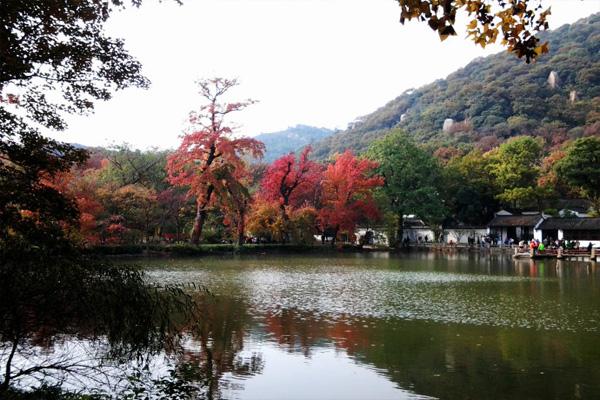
<point>508,301</point>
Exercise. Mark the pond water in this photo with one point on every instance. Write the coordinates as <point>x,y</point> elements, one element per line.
<point>380,326</point>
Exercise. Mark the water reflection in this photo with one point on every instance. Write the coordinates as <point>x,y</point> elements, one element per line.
<point>216,342</point>
<point>447,360</point>
<point>466,326</point>
<point>417,326</point>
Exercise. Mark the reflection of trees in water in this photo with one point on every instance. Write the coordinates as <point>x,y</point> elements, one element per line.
<point>116,336</point>
<point>217,341</point>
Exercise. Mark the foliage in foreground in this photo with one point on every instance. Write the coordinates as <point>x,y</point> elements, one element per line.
<point>43,296</point>
<point>515,22</point>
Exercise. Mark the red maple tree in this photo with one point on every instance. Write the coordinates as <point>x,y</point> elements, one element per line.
<point>292,183</point>
<point>200,160</point>
<point>347,198</point>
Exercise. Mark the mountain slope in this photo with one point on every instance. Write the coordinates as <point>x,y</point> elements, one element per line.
<point>291,139</point>
<point>496,97</point>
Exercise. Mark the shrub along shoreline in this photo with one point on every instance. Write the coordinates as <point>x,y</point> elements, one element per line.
<point>188,249</point>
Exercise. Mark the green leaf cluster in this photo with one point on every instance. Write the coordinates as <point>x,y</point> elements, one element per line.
<point>580,169</point>
<point>412,179</point>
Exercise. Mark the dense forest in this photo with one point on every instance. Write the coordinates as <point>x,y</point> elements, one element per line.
<point>495,98</point>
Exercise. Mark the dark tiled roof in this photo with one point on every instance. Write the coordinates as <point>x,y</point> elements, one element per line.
<point>413,223</point>
<point>571,224</point>
<point>514,220</point>
<point>454,226</point>
<point>579,205</point>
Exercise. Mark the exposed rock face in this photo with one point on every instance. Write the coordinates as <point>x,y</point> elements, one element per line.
<point>448,122</point>
<point>573,96</point>
<point>553,79</point>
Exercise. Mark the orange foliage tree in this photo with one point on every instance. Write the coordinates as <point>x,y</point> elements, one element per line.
<point>77,187</point>
<point>347,198</point>
<point>265,222</point>
<point>199,161</point>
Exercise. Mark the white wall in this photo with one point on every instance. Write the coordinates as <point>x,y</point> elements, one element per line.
<point>584,243</point>
<point>414,233</point>
<point>463,235</point>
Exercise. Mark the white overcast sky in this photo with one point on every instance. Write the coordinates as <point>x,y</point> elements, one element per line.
<point>314,62</point>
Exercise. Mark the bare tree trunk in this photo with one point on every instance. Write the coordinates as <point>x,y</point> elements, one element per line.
<point>198,224</point>
<point>201,213</point>
<point>335,233</point>
<point>240,229</point>
<point>286,219</point>
<point>399,232</point>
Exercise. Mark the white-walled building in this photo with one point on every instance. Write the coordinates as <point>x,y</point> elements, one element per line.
<point>417,231</point>
<point>413,228</point>
<point>583,230</point>
<point>517,227</point>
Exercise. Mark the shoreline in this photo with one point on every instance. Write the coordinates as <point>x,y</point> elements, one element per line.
<point>186,250</point>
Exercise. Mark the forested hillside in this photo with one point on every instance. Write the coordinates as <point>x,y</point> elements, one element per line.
<point>291,139</point>
<point>495,98</point>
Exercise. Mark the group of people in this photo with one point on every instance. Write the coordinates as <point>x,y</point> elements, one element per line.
<point>535,245</point>
<point>549,243</point>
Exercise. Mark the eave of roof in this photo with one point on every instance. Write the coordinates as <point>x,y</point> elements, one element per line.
<point>571,224</point>
<point>501,221</point>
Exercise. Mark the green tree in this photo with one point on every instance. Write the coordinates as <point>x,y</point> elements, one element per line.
<point>515,167</point>
<point>132,166</point>
<point>139,206</point>
<point>580,169</point>
<point>469,191</point>
<point>411,179</point>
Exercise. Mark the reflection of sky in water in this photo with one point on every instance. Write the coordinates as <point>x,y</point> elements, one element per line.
<point>77,363</point>
<point>326,374</point>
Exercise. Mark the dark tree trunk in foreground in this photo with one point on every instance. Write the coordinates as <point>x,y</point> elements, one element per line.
<point>7,372</point>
